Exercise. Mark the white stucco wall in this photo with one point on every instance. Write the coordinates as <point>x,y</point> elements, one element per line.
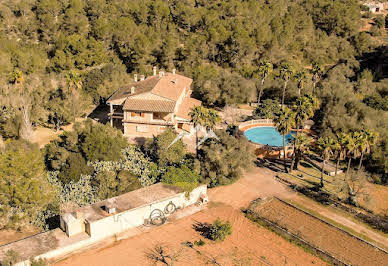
<point>116,224</point>
<point>120,222</point>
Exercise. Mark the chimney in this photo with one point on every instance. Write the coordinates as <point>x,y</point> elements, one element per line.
<point>135,77</point>
<point>154,70</point>
<point>132,90</point>
<point>142,77</point>
<point>173,71</point>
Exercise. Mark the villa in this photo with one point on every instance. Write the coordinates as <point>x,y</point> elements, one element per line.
<point>148,106</point>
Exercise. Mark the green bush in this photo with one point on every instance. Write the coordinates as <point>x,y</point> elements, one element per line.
<point>223,161</point>
<point>267,110</point>
<point>220,230</point>
<point>199,243</point>
<point>181,177</point>
<point>38,262</point>
<point>11,258</point>
<point>162,152</point>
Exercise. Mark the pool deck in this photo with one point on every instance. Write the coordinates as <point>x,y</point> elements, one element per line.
<point>256,125</point>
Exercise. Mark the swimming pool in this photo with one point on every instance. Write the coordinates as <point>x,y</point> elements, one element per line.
<point>267,136</point>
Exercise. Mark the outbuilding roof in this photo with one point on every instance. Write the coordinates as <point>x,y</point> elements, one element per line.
<point>130,200</point>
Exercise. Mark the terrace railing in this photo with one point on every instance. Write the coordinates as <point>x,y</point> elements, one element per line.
<point>255,122</point>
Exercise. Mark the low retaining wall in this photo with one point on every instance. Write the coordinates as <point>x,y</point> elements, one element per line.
<point>255,123</point>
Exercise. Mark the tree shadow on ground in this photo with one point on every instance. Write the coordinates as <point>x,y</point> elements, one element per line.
<point>203,228</point>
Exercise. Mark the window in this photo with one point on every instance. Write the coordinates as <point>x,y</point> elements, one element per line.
<point>137,114</point>
<point>158,116</point>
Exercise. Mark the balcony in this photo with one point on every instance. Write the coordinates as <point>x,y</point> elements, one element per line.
<point>144,121</point>
<point>116,115</point>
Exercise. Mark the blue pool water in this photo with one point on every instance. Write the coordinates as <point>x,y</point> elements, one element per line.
<point>267,135</point>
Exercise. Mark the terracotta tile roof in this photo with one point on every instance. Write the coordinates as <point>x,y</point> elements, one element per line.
<point>169,86</point>
<point>186,106</point>
<point>140,87</point>
<point>149,105</point>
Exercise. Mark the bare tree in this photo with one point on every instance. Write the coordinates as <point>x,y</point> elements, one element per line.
<point>26,131</point>
<point>230,115</point>
<point>355,184</point>
<point>161,253</point>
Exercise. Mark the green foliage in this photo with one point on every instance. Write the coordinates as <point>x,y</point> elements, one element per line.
<point>267,110</point>
<point>134,161</point>
<point>24,189</point>
<point>219,230</point>
<point>199,243</point>
<point>109,184</point>
<point>73,194</point>
<point>11,258</point>
<point>223,161</point>
<point>102,142</point>
<point>205,117</point>
<point>77,51</point>
<point>38,262</point>
<point>162,152</point>
<point>74,166</point>
<point>88,142</point>
<point>380,21</point>
<point>181,177</point>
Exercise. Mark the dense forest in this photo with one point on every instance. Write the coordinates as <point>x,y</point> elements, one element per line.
<point>61,58</point>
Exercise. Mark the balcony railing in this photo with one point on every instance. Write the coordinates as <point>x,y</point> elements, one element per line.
<point>141,120</point>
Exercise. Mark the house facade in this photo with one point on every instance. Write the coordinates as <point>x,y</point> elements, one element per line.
<point>150,105</point>
<point>375,7</point>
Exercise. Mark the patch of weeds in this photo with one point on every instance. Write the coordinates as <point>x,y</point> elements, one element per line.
<point>199,243</point>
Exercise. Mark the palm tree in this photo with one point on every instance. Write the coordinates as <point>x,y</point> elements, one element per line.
<point>300,78</point>
<point>304,108</point>
<point>366,140</point>
<point>339,149</point>
<point>264,69</point>
<point>326,145</point>
<point>201,116</point>
<point>284,123</point>
<point>302,145</point>
<point>317,72</point>
<point>285,74</point>
<point>351,149</point>
<point>75,83</point>
<point>212,119</point>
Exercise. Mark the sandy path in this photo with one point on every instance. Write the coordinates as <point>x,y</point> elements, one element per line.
<point>326,211</point>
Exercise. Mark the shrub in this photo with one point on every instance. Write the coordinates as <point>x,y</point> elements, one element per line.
<point>11,258</point>
<point>161,152</point>
<point>223,161</point>
<point>199,243</point>
<point>220,230</point>
<point>38,262</point>
<point>181,177</point>
<point>267,110</point>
